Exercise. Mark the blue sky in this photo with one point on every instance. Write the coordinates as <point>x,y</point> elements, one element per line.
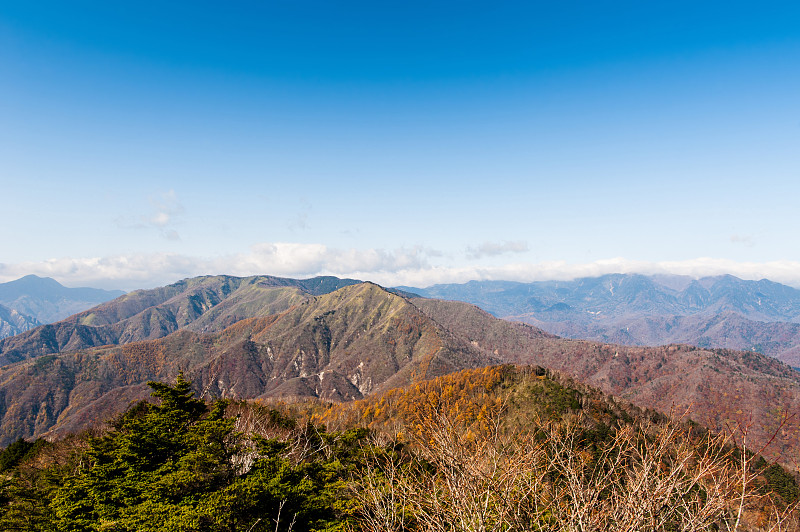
<point>402,142</point>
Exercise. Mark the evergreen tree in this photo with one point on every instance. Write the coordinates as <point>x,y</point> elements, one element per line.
<point>152,470</point>
<point>172,467</point>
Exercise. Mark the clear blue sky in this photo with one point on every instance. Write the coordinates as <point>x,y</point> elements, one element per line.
<point>403,142</point>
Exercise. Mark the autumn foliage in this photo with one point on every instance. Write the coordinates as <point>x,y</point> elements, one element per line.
<point>503,448</point>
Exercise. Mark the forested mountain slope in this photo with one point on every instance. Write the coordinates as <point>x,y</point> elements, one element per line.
<point>510,448</point>
<point>343,345</point>
<point>362,339</point>
<point>721,388</point>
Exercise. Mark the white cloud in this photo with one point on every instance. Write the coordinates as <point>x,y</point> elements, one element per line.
<point>493,249</point>
<point>282,259</point>
<point>787,272</point>
<point>404,266</point>
<point>285,258</point>
<point>164,206</point>
<point>122,271</point>
<point>160,219</point>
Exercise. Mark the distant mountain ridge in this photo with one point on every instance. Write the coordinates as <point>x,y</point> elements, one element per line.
<point>623,294</point>
<point>635,309</point>
<point>203,304</point>
<point>46,300</point>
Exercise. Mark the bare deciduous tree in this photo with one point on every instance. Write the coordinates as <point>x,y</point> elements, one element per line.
<point>486,478</point>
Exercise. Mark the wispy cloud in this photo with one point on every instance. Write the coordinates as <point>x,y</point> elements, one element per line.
<point>743,240</point>
<point>404,266</point>
<point>493,249</point>
<point>300,221</point>
<point>164,208</point>
<point>161,216</point>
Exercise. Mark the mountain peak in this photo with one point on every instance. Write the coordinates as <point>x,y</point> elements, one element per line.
<point>34,286</point>
<point>46,300</point>
<point>31,284</point>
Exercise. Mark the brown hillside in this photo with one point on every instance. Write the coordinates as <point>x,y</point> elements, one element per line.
<point>339,346</point>
<point>202,304</point>
<point>721,388</point>
<point>361,340</point>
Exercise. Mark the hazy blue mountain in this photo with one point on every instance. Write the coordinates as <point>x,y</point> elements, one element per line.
<point>623,294</point>
<point>722,311</point>
<point>47,300</point>
<point>12,322</point>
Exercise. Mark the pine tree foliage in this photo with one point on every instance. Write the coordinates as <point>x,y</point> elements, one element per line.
<point>177,466</point>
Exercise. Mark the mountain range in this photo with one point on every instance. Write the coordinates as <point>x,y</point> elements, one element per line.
<point>202,304</point>
<point>31,301</point>
<point>341,345</point>
<point>632,309</point>
<point>333,339</point>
